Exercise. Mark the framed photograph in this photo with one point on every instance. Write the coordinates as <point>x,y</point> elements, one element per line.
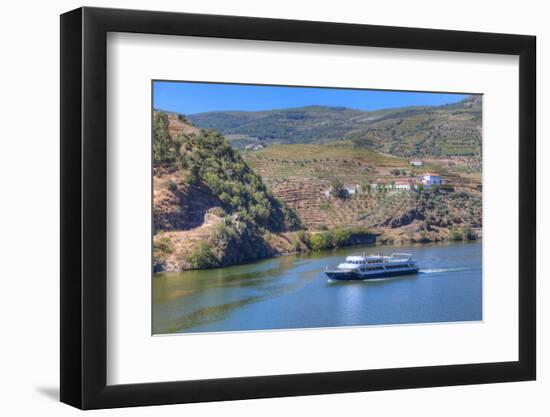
<point>257,208</point>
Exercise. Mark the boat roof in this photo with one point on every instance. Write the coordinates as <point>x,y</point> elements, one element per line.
<point>360,257</point>
<point>373,256</point>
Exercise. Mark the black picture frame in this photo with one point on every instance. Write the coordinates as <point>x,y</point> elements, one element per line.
<point>84,207</point>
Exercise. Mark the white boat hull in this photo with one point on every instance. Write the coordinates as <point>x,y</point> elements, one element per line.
<point>358,276</point>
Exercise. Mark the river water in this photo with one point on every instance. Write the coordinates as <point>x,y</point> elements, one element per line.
<point>292,292</point>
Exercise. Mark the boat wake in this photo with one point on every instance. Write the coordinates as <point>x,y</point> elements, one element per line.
<point>440,270</point>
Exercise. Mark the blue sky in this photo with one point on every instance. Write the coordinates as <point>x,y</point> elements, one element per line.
<point>190,98</point>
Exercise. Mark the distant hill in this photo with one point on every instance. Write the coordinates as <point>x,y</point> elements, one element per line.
<point>417,131</point>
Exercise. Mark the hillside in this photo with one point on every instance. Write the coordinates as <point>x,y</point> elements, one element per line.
<point>302,175</point>
<point>422,131</point>
<point>216,205</point>
<point>210,209</point>
<point>344,161</point>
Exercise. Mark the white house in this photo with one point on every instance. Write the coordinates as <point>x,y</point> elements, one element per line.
<point>352,189</point>
<point>429,179</point>
<point>416,162</point>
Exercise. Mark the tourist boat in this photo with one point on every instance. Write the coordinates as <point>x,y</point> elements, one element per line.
<point>374,267</point>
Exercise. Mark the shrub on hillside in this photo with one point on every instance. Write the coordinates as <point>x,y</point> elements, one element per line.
<point>336,238</point>
<point>338,190</point>
<point>455,234</point>
<point>202,257</point>
<point>162,247</point>
<point>164,151</point>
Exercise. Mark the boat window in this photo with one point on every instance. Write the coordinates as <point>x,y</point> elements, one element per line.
<point>375,268</point>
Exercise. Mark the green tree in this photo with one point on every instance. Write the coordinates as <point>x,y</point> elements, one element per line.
<point>318,241</point>
<point>202,256</point>
<point>366,188</point>
<point>342,237</point>
<point>163,147</point>
<point>455,233</point>
<point>338,190</point>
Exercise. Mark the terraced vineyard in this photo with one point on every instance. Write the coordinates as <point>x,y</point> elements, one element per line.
<point>324,162</point>
<point>301,176</point>
<point>316,210</point>
<point>347,163</point>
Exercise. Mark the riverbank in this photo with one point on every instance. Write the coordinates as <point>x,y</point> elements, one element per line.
<point>418,232</point>
<point>219,244</point>
<point>173,252</point>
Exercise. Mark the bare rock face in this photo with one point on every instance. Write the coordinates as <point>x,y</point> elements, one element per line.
<point>178,205</point>
<point>404,219</point>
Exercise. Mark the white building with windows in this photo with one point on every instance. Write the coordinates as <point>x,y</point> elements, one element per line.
<point>429,179</point>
